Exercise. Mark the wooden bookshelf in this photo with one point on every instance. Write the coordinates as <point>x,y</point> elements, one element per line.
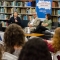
<point>8,7</point>
<point>56,10</point>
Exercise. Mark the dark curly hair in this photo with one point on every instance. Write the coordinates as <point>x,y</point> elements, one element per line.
<point>35,49</point>
<point>13,35</point>
<point>1,48</point>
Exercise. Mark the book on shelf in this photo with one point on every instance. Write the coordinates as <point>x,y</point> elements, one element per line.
<point>58,12</point>
<point>16,9</point>
<point>4,17</point>
<point>59,19</point>
<point>9,10</point>
<point>2,10</point>
<point>25,17</point>
<point>55,12</point>
<point>59,4</point>
<point>4,24</point>
<point>54,4</point>
<point>23,10</point>
<point>5,10</point>
<point>30,10</point>
<point>2,3</point>
<point>10,3</point>
<point>19,15</point>
<point>33,3</point>
<point>12,10</point>
<point>19,4</point>
<point>54,19</point>
<point>27,4</point>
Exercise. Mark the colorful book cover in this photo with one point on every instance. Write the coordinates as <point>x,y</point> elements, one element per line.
<point>58,12</point>
<point>53,4</point>
<point>59,19</point>
<point>25,18</point>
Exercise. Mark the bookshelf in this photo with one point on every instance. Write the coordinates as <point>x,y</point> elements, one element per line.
<point>24,9</point>
<point>56,11</point>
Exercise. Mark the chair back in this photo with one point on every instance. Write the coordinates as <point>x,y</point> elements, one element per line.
<point>56,56</point>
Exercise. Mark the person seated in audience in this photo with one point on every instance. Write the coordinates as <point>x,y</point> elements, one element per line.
<point>54,43</point>
<point>15,19</point>
<point>35,49</point>
<point>14,39</point>
<point>32,24</point>
<point>47,22</point>
<point>0,52</point>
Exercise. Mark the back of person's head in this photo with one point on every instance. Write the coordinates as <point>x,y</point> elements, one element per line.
<point>1,51</point>
<point>56,40</point>
<point>13,36</point>
<point>35,49</point>
<point>48,16</point>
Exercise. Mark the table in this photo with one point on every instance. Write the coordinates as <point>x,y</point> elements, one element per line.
<point>34,34</point>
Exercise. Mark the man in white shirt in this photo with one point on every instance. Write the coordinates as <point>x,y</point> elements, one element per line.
<point>34,22</point>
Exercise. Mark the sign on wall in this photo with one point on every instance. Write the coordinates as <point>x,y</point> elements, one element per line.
<point>43,7</point>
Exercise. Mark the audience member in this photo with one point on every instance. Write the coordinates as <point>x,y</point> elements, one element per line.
<point>47,23</point>
<point>14,39</point>
<point>0,52</point>
<point>35,49</point>
<point>54,44</point>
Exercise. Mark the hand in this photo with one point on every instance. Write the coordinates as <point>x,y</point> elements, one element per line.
<point>49,41</point>
<point>29,25</point>
<point>44,24</point>
<point>16,21</point>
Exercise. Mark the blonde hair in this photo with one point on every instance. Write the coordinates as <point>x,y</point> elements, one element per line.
<point>56,40</point>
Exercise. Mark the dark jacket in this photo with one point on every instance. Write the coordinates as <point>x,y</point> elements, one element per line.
<point>12,20</point>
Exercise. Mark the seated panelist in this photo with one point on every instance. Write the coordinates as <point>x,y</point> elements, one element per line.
<point>15,19</point>
<point>32,24</point>
<point>47,22</point>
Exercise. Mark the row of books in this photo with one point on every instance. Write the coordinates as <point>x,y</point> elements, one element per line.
<point>20,10</point>
<point>14,3</point>
<point>56,4</point>
<point>4,24</point>
<point>4,17</point>
<point>26,17</point>
<point>55,12</point>
<point>7,17</point>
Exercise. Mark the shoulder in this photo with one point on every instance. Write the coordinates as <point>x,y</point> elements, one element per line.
<point>18,17</point>
<point>50,20</point>
<point>50,46</point>
<point>37,19</point>
<point>12,18</point>
<point>9,56</point>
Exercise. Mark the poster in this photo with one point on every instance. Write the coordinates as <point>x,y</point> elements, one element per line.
<point>43,7</point>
